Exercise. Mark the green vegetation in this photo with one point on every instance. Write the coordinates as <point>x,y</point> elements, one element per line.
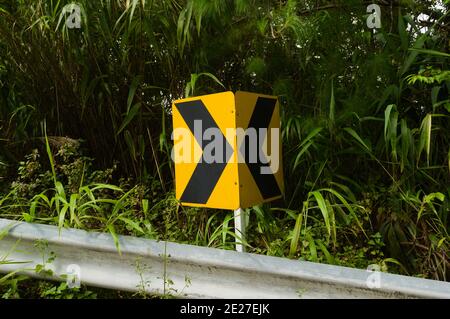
<point>85,122</point>
<point>22,287</point>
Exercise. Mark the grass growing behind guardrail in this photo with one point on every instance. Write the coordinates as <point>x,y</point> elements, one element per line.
<point>332,227</point>
<point>365,123</point>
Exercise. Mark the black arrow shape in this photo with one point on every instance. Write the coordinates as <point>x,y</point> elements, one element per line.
<point>261,117</point>
<point>206,175</point>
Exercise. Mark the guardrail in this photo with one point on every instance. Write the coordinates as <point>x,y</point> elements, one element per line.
<point>190,271</point>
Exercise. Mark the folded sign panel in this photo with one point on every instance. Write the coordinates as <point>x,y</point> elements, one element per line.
<point>227,150</point>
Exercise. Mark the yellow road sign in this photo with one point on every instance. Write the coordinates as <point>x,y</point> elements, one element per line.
<point>227,150</point>
<point>259,182</point>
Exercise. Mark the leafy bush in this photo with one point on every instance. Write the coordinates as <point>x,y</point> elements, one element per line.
<point>365,122</point>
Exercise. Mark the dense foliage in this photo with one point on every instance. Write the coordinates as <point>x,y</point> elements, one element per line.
<point>365,121</point>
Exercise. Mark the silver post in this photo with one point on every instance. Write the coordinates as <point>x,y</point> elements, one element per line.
<point>240,225</point>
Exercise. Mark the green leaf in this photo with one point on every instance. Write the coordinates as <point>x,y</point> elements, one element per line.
<point>441,241</point>
<point>396,262</point>
<point>413,55</point>
<point>113,233</point>
<point>425,138</point>
<point>300,154</point>
<point>387,120</point>
<point>329,258</point>
<point>256,65</point>
<point>101,186</point>
<point>406,143</point>
<point>132,91</point>
<point>332,222</point>
<point>49,154</point>
<point>393,134</point>
<point>73,206</point>
<point>133,8</point>
<point>131,223</point>
<point>356,137</point>
<point>190,86</point>
<point>183,26</point>
<point>323,208</point>
<point>129,117</point>
<point>33,210</point>
<point>346,189</point>
<point>305,144</point>
<point>332,106</point>
<point>62,217</point>
<point>145,206</point>
<point>213,77</point>
<point>430,52</point>
<point>430,197</point>
<point>402,32</point>
<point>448,160</point>
<point>312,246</point>
<point>60,191</point>
<point>297,230</point>
<point>347,205</point>
<point>187,90</point>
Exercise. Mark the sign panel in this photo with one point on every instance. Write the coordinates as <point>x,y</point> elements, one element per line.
<point>261,174</point>
<point>227,150</point>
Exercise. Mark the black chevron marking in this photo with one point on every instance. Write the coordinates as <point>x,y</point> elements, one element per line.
<point>206,175</point>
<point>261,117</point>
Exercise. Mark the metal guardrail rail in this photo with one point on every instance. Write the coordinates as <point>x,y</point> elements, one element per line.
<point>191,271</point>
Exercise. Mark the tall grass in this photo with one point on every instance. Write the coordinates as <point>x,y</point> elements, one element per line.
<point>365,117</point>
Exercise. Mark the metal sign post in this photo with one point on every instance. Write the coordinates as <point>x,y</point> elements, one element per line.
<point>240,225</point>
<point>227,153</point>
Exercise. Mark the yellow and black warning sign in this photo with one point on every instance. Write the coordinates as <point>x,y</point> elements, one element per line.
<point>227,150</point>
